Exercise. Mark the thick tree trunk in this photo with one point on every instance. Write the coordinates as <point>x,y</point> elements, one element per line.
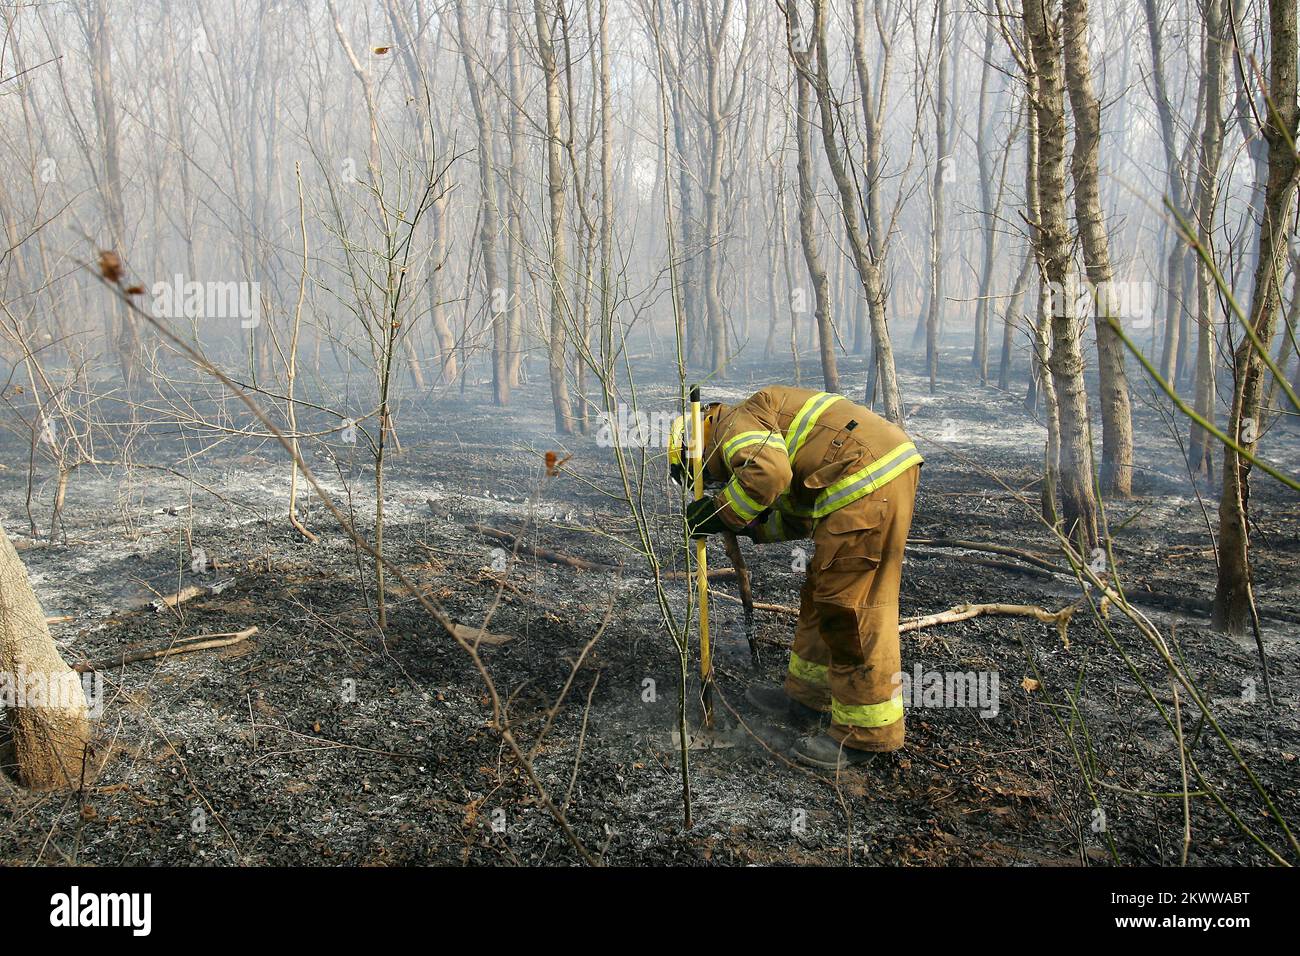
<point>1116,414</point>
<point>50,728</point>
<point>1078,508</point>
<point>1232,598</point>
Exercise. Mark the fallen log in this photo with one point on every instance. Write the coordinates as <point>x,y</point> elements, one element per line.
<point>582,564</point>
<point>187,646</point>
<point>964,612</point>
<point>757,605</point>
<point>961,612</point>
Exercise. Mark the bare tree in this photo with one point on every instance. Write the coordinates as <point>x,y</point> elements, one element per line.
<point>851,213</point>
<point>51,734</point>
<point>1214,64</point>
<point>808,203</point>
<point>489,223</point>
<point>1116,415</point>
<point>1233,604</point>
<point>1078,508</point>
<point>942,170</point>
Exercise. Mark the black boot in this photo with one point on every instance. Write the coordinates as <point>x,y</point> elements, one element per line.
<point>775,702</point>
<point>826,753</point>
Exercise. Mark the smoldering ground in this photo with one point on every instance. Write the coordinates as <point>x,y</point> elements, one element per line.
<point>319,740</point>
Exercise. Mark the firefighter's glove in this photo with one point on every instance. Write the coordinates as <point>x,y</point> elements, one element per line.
<point>704,518</point>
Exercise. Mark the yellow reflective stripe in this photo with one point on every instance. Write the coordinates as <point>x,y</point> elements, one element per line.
<point>745,439</point>
<point>676,440</point>
<point>740,502</point>
<point>876,475</point>
<point>868,715</point>
<point>801,425</point>
<point>811,673</point>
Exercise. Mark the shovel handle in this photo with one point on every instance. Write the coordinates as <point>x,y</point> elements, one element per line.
<point>746,591</point>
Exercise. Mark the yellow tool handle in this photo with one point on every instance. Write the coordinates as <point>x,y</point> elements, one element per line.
<point>701,558</point>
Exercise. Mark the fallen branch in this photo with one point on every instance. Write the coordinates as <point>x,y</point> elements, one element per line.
<point>188,646</point>
<point>757,605</point>
<point>961,612</point>
<point>964,612</point>
<point>188,593</point>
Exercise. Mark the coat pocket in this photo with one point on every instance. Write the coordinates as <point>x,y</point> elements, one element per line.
<point>853,539</point>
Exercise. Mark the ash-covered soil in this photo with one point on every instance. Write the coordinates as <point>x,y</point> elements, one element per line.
<point>323,741</point>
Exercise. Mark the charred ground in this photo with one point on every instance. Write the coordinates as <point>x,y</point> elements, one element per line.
<point>321,741</point>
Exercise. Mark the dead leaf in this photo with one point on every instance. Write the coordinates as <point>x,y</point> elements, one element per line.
<point>110,265</point>
<point>1030,684</point>
<point>553,463</point>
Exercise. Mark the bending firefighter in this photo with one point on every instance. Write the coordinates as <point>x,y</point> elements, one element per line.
<point>794,463</point>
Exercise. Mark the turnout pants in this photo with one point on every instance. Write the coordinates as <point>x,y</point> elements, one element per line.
<point>845,657</point>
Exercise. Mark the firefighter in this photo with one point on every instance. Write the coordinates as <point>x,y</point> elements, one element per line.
<point>794,463</point>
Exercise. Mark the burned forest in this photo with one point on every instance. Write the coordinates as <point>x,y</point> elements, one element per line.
<point>649,433</point>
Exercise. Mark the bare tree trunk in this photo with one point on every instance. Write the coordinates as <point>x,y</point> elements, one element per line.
<point>1040,375</point>
<point>1078,504</point>
<point>564,420</point>
<point>937,228</point>
<point>807,209</point>
<point>51,733</point>
<point>850,212</point>
<point>1233,594</point>
<point>714,35</point>
<point>1213,64</point>
<point>488,224</point>
<point>99,40</point>
<point>515,244</point>
<point>1010,318</point>
<point>988,214</point>
<point>1174,188</point>
<point>1116,415</point>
